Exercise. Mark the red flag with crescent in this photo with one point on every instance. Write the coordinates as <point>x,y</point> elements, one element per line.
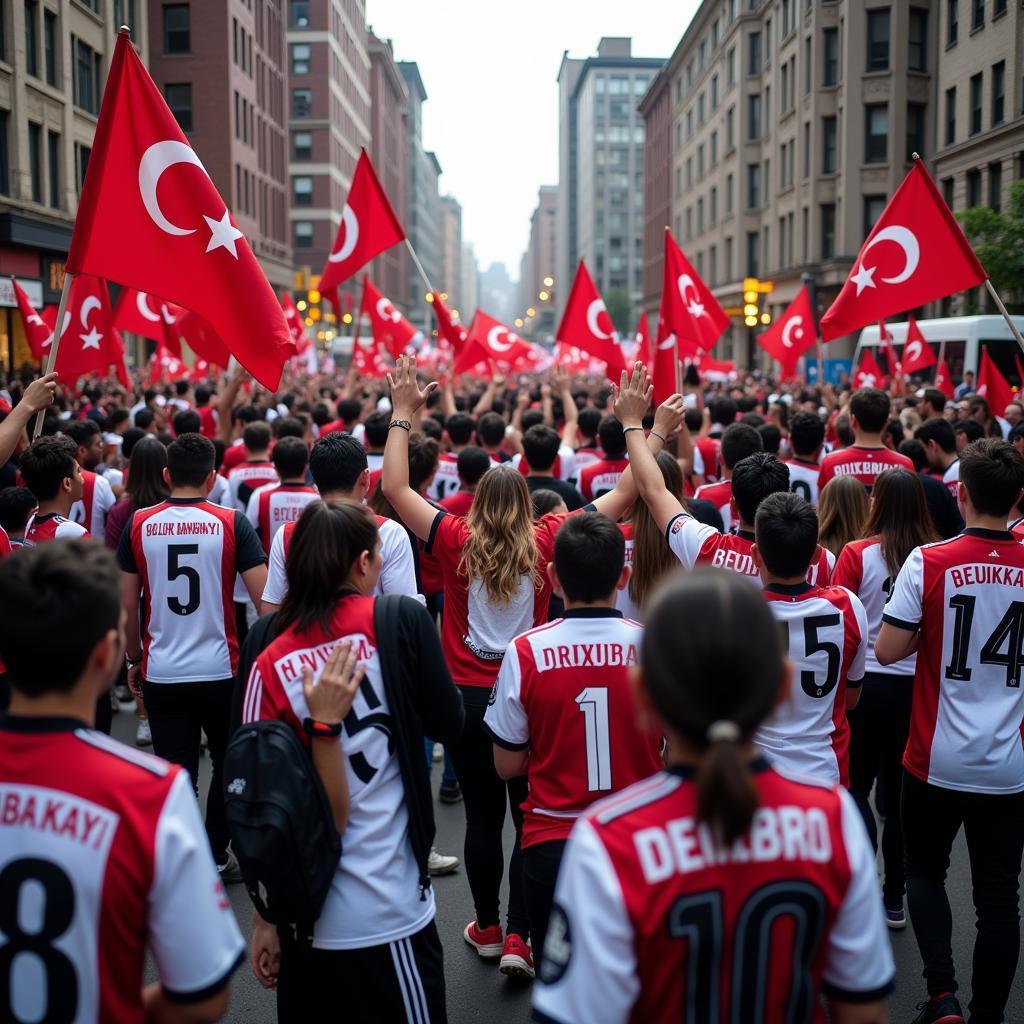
<point>791,334</point>
<point>587,325</point>
<point>917,353</point>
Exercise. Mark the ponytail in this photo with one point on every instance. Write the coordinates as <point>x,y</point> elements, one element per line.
<point>726,796</point>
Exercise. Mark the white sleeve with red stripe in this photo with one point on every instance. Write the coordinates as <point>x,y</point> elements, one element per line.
<point>505,716</point>
<point>904,607</point>
<point>398,574</point>
<point>589,968</point>
<point>698,462</point>
<point>856,670</point>
<point>277,581</point>
<point>103,501</point>
<point>192,930</point>
<point>686,537</point>
<point>859,965</point>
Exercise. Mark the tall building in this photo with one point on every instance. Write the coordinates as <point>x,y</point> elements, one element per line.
<point>389,99</point>
<point>537,270</point>
<point>656,110</point>
<point>468,296</point>
<point>451,245</point>
<point>498,293</point>
<point>979,141</point>
<point>221,67</point>
<point>601,167</point>
<point>329,112</point>
<point>54,59</point>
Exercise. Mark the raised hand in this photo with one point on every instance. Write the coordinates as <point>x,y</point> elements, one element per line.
<point>330,698</point>
<point>406,397</point>
<point>632,396</point>
<point>668,417</point>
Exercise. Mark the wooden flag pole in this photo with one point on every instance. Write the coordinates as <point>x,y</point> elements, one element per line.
<point>1014,330</point>
<point>419,266</point>
<point>51,358</point>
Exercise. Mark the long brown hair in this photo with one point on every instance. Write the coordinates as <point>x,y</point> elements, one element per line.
<point>328,538</point>
<point>842,512</point>
<point>501,548</point>
<point>899,517</point>
<point>652,557</point>
<point>145,483</point>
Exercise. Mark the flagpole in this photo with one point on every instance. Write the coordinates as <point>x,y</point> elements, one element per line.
<point>51,358</point>
<point>1006,316</point>
<point>419,266</point>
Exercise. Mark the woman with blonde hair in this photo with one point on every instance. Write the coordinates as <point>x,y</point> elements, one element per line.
<point>842,512</point>
<point>496,586</point>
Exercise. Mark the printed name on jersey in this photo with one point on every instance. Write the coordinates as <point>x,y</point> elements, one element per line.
<point>587,656</point>
<point>978,575</point>
<point>193,528</point>
<point>292,665</point>
<point>57,813</point>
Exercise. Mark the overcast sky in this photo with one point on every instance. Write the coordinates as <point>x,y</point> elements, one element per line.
<point>491,116</point>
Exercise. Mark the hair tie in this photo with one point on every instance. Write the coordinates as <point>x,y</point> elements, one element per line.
<point>723,731</point>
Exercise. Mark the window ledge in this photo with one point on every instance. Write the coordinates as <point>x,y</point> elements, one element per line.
<point>977,28</point>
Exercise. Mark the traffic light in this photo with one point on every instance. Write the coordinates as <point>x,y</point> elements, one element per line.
<point>753,289</point>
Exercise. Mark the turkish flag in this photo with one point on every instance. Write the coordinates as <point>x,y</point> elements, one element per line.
<point>688,308</point>
<point>141,314</point>
<point>917,353</point>
<point>368,226</point>
<point>296,324</point>
<point>791,334</point>
<point>915,254</point>
<point>150,218</point>
<point>491,342</point>
<point>366,357</point>
<point>88,341</point>
<point>587,325</point>
<point>869,374</point>
<point>389,328</point>
<point>448,328</point>
<point>943,380</point>
<point>885,337</point>
<point>643,341</point>
<point>36,330</point>
<point>201,337</point>
<point>992,385</point>
<point>166,366</point>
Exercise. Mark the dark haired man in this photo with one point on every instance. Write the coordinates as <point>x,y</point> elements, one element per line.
<point>181,558</point>
<point>588,451</point>
<point>967,432</point>
<point>932,403</point>
<point>939,440</point>
<point>458,434</point>
<point>473,462</point>
<point>375,436</point>
<point>960,605</point>
<point>738,441</point>
<point>207,413</point>
<point>868,455</point>
<point>541,446</point>
<point>601,477</point>
<point>186,421</point>
<point>563,711</point>
<point>50,470</point>
<point>826,630</point>
<point>806,436</point>
<point>490,435</point>
<point>97,498</point>
<point>102,851</point>
<point>256,470</point>
<point>273,505</point>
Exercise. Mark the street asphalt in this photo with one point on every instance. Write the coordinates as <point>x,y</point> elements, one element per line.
<point>477,992</point>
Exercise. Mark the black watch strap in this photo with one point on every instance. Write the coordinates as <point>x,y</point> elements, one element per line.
<point>321,730</point>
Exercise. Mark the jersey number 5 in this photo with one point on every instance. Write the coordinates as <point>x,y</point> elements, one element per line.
<point>175,570</point>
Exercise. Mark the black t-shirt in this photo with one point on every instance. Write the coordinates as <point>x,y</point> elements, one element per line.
<point>942,506</point>
<point>572,498</point>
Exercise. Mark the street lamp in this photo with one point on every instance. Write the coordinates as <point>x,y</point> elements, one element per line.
<point>549,281</point>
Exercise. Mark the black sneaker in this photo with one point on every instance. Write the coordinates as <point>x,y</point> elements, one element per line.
<point>895,915</point>
<point>449,794</point>
<point>940,1009</point>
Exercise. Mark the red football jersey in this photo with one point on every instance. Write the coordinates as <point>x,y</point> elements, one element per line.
<point>599,478</point>
<point>272,506</point>
<point>720,495</point>
<point>233,456</point>
<point>826,633</point>
<point>564,691</point>
<point>966,596</point>
<point>92,508</point>
<point>246,478</point>
<point>446,479</point>
<point>705,458</point>
<point>804,479</point>
<point>655,920</point>
<point>51,526</point>
<point>106,847</point>
<point>863,463</point>
<point>5,543</point>
<point>459,503</point>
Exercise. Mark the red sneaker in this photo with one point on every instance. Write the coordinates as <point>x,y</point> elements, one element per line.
<point>516,958</point>
<point>486,941</point>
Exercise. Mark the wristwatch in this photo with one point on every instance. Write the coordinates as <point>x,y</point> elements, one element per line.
<point>404,424</point>
<point>321,730</point>
<point>132,662</point>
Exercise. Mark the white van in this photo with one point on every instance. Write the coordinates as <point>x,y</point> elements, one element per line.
<point>964,337</point>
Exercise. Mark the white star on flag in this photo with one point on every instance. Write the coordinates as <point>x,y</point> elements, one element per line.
<point>91,340</point>
<point>864,278</point>
<point>223,234</point>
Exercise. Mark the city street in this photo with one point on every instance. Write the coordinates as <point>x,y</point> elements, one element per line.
<point>477,992</point>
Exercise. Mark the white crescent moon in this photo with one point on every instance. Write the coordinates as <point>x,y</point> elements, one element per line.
<point>142,304</point>
<point>912,351</point>
<point>492,339</point>
<point>907,241</point>
<point>790,326</point>
<point>350,223</point>
<point>166,314</point>
<point>90,303</point>
<point>668,343</point>
<point>686,282</point>
<point>67,321</point>
<point>386,311</point>
<point>594,310</point>
<point>154,162</point>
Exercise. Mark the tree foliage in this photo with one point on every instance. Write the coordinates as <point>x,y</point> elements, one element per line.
<point>998,239</point>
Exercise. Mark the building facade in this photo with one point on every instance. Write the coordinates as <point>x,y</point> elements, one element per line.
<point>467,298</point>
<point>451,246</point>
<point>389,99</point>
<point>537,281</point>
<point>329,111</point>
<point>221,68</point>
<point>601,167</point>
<point>54,58</point>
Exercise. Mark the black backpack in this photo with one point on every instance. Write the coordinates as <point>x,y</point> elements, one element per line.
<point>281,823</point>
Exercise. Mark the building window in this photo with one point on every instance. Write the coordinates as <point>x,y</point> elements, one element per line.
<point>995,186</point>
<point>975,116</point>
<point>179,99</point>
<point>35,170</point>
<point>754,54</point>
<point>808,66</point>
<point>753,253</point>
<point>952,21</point>
<point>82,154</point>
<point>728,193</point>
<point>86,81</point>
<point>32,37</point>
<point>948,185</point>
<point>124,14</point>
<point>177,38</point>
<point>302,145</point>
<point>730,128</point>
<point>998,92</point>
<point>753,186</point>
<point>828,145</point>
<point>830,46</point>
<point>5,167</point>
<point>973,188</point>
<point>916,121</point>
<point>53,167</point>
<point>807,149</point>
<point>730,66</point>
<point>873,207</point>
<point>754,117</point>
<point>977,14</point>
<point>298,13</point>
<point>302,234</point>
<point>828,230</point>
<point>876,133</point>
<point>951,116</point>
<point>50,42</point>
<point>300,58</point>
<point>917,54</point>
<point>878,39</point>
<point>302,102</point>
<point>302,190</point>
<point>999,7</point>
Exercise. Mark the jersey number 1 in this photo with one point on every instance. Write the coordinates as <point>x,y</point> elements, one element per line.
<point>593,702</point>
